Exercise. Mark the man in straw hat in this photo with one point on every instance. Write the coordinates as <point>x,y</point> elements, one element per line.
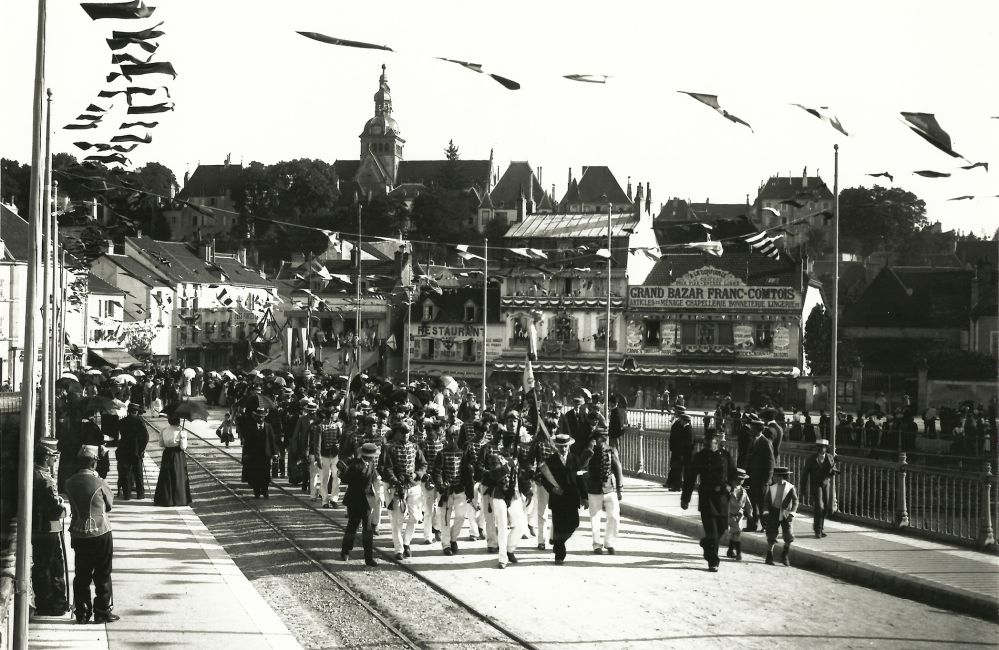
<point>566,495</point>
<point>90,499</point>
<point>739,509</point>
<point>760,465</point>
<point>780,503</point>
<point>715,467</point>
<point>361,477</point>
<point>817,477</point>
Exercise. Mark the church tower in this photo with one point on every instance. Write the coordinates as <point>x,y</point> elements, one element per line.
<point>381,145</point>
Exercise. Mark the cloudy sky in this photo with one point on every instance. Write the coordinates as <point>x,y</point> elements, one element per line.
<point>250,86</point>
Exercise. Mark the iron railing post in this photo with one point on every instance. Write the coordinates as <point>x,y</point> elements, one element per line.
<point>986,537</point>
<point>641,452</point>
<point>902,511</point>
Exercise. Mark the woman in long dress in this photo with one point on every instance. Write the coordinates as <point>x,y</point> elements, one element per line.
<point>173,487</point>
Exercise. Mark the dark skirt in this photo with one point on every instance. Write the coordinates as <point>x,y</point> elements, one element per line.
<point>172,487</point>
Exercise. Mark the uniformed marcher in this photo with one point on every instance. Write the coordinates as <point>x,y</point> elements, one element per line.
<point>603,482</point>
<point>715,467</point>
<point>452,475</point>
<point>403,466</point>
<point>90,499</point>
<point>431,445</point>
<point>48,568</point>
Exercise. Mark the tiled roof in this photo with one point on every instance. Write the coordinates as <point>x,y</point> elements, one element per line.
<point>680,210</point>
<point>680,232</point>
<point>750,267</point>
<point>596,182</point>
<point>518,179</point>
<point>97,286</point>
<point>178,261</point>
<point>914,296</point>
<point>593,224</point>
<point>210,180</point>
<point>426,172</point>
<point>136,269</point>
<point>451,305</point>
<point>784,187</point>
<point>16,234</point>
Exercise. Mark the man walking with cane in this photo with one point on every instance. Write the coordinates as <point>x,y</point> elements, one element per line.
<point>131,449</point>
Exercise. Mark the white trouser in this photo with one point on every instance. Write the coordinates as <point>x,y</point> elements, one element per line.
<point>473,512</point>
<point>327,466</point>
<point>541,508</point>
<point>489,522</point>
<point>314,470</point>
<point>376,511</point>
<point>511,522</point>
<point>604,503</point>
<point>401,538</point>
<point>452,517</point>
<point>431,515</point>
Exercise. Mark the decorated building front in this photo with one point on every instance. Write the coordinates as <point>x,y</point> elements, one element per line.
<point>448,330</point>
<point>710,326</point>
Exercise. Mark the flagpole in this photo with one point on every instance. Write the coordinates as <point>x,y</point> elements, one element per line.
<point>834,372</point>
<point>485,311</point>
<point>357,307</point>
<point>607,330</point>
<point>46,268</point>
<point>26,460</point>
<point>51,288</point>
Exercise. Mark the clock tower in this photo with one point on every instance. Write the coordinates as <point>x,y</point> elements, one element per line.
<point>381,144</point>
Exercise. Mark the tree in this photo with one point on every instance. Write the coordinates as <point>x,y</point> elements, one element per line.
<point>451,152</point>
<point>878,218</point>
<point>15,184</point>
<point>818,341</point>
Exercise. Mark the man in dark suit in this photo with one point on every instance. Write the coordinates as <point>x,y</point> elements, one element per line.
<point>131,449</point>
<point>760,465</point>
<point>575,424</point>
<point>817,479</point>
<point>715,467</point>
<point>681,449</point>
<point>361,476</point>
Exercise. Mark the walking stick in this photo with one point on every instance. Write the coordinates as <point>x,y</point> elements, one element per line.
<point>65,559</point>
<point>145,479</point>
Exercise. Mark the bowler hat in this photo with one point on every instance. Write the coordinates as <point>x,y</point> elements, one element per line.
<point>134,407</point>
<point>754,420</point>
<point>369,450</point>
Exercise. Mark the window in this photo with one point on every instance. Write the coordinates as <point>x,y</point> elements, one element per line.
<point>568,287</point>
<point>706,334</point>
<point>520,330</point>
<point>468,350</point>
<point>429,310</point>
<point>470,310</point>
<point>601,336</point>
<point>563,328</point>
<point>763,337</point>
<point>651,334</point>
<point>429,346</point>
<point>688,333</point>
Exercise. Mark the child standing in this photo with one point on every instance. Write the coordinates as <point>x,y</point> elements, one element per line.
<point>225,429</point>
<point>780,503</point>
<point>739,509</point>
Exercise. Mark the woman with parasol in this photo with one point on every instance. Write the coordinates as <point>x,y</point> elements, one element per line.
<point>172,486</point>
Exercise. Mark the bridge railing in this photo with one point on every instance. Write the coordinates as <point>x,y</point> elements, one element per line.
<point>951,505</point>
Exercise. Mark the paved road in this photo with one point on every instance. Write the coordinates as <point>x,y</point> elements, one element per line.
<point>656,593</point>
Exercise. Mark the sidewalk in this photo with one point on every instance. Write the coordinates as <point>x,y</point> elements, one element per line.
<point>173,583</point>
<point>935,573</point>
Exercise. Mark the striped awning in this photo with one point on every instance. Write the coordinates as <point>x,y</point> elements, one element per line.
<point>557,302</point>
<point>658,370</point>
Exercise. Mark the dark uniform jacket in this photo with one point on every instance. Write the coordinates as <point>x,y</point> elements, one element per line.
<point>761,461</point>
<point>716,469</point>
<point>48,511</point>
<point>681,437</point>
<point>134,438</point>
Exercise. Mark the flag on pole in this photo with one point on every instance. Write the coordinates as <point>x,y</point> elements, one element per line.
<point>390,342</point>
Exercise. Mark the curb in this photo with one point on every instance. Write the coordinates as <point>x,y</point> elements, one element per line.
<point>859,573</point>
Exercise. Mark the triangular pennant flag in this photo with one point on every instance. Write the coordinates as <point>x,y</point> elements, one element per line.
<point>925,125</point>
<point>929,173</point>
<point>154,108</point>
<point>121,43</point>
<point>823,114</point>
<point>710,247</point>
<point>160,67</point>
<point>603,252</point>
<point>151,32</point>
<point>984,165</point>
<point>117,10</point>
<point>332,40</point>
<point>129,125</point>
<point>509,84</point>
<point>128,137</point>
<point>390,342</point>
<point>588,78</point>
<point>891,179</point>
<point>712,101</point>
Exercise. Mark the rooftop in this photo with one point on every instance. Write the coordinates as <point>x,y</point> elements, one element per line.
<point>518,180</point>
<point>588,225</point>
<point>596,185</point>
<point>16,234</point>
<point>752,268</point>
<point>99,287</point>
<point>210,180</point>
<point>790,187</point>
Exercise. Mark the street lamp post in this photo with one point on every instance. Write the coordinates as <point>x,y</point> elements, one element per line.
<point>607,330</point>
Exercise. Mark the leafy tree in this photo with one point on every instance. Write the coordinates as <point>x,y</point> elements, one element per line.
<point>15,184</point>
<point>452,153</point>
<point>878,218</point>
<point>818,341</point>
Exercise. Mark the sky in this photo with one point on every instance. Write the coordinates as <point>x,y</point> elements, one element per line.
<point>251,87</point>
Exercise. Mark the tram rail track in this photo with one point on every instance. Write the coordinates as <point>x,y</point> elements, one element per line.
<point>321,566</point>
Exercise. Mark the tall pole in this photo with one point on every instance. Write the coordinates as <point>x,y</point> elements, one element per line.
<point>53,299</point>
<point>357,307</point>
<point>410,295</point>
<point>46,269</point>
<point>485,311</point>
<point>26,459</point>
<point>834,372</point>
<point>607,332</point>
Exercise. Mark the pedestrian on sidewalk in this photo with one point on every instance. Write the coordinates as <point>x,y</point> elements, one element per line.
<point>780,503</point>
<point>225,430</point>
<point>259,449</point>
<point>172,486</point>
<point>565,495</point>
<point>681,449</point>
<point>131,450</point>
<point>739,509</point>
<point>361,477</point>
<point>817,477</point>
<point>760,465</point>
<point>48,582</point>
<point>714,466</point>
<point>90,499</point>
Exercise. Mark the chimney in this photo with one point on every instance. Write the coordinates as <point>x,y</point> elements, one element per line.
<point>529,207</point>
<point>629,187</point>
<point>93,210</point>
<point>187,176</point>
<point>804,177</point>
<point>521,205</point>
<point>568,183</point>
<point>541,176</point>
<point>638,198</point>
<point>404,266</point>
<point>648,197</point>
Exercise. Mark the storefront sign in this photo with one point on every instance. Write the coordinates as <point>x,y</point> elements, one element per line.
<point>449,331</point>
<point>711,288</point>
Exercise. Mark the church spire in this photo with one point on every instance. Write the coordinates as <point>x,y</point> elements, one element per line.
<point>383,98</point>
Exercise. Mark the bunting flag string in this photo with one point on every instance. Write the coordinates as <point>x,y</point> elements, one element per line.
<point>151,32</point>
<point>712,101</point>
<point>823,114</point>
<point>162,107</point>
<point>343,42</point>
<point>925,125</point>
<point>588,78</point>
<point>891,179</point>
<point>129,125</point>
<point>929,173</point>
<point>130,137</point>
<point>122,43</point>
<point>118,10</point>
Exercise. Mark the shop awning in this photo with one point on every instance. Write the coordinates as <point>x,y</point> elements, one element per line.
<point>657,370</point>
<point>112,357</point>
